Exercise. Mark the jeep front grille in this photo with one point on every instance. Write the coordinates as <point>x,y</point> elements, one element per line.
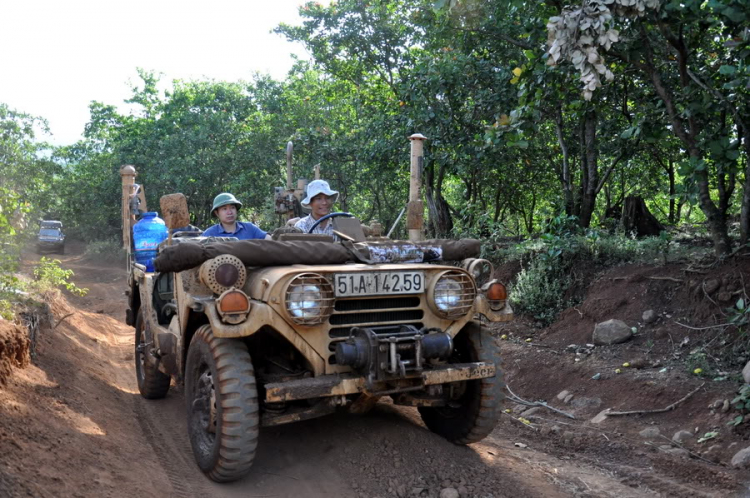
<point>379,312</point>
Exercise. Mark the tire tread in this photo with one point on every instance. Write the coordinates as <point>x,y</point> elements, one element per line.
<point>236,390</point>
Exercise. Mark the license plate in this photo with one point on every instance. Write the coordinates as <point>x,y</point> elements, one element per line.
<point>378,283</point>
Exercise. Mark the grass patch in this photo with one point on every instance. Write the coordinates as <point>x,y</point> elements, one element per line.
<point>109,249</point>
<point>545,285</point>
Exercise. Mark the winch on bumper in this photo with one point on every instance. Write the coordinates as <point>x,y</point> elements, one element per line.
<point>385,362</point>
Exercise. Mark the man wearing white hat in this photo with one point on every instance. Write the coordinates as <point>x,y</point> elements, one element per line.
<point>320,199</point>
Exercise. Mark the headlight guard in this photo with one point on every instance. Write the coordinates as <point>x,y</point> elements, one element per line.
<point>308,299</point>
<point>452,294</point>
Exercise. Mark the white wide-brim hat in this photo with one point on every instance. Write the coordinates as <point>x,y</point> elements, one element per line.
<point>316,187</point>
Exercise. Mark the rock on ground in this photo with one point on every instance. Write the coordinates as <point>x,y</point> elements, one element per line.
<point>612,332</point>
<point>682,436</point>
<point>680,452</point>
<point>650,432</point>
<point>449,493</point>
<point>741,459</point>
<point>746,373</point>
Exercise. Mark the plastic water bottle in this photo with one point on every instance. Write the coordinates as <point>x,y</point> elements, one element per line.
<point>147,235</point>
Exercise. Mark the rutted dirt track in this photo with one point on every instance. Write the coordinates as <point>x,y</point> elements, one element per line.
<point>73,424</point>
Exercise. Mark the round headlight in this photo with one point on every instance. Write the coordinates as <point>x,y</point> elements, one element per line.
<point>447,293</point>
<point>309,299</point>
<point>453,294</point>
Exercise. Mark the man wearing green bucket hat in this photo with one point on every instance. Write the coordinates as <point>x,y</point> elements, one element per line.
<point>225,208</point>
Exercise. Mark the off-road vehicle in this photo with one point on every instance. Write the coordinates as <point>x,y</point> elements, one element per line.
<point>50,237</point>
<point>268,332</point>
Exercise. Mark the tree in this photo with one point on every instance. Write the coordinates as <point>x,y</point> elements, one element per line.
<point>27,179</point>
<point>677,49</point>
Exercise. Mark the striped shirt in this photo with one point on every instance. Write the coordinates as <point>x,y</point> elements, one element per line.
<point>308,221</point>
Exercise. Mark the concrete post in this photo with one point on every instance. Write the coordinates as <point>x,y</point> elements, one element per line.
<point>415,208</point>
<point>289,149</point>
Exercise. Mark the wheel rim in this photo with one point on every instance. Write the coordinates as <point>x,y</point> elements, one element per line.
<point>204,412</point>
<point>141,356</point>
<point>205,403</point>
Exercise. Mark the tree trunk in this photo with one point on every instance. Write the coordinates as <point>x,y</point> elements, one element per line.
<point>440,220</point>
<point>686,129</point>
<point>588,203</point>
<point>637,218</point>
<point>674,216</point>
<point>498,191</point>
<point>529,220</point>
<point>745,210</point>
<point>668,166</point>
<point>565,177</point>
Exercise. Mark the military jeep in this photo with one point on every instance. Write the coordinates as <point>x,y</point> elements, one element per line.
<point>269,332</point>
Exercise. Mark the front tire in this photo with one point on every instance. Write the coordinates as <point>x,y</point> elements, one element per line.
<point>222,405</point>
<point>474,408</point>
<point>152,383</point>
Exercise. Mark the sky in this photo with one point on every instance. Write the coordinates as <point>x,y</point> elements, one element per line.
<point>57,56</point>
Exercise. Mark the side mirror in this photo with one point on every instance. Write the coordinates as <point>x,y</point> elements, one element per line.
<point>174,211</point>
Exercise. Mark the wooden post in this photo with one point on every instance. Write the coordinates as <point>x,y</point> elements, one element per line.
<point>415,209</point>
<point>127,172</point>
<point>289,149</point>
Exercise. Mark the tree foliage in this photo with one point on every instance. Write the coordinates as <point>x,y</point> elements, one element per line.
<point>532,110</point>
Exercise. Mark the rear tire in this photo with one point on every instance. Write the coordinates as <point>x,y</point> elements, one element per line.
<point>475,408</point>
<point>152,383</point>
<point>222,405</point>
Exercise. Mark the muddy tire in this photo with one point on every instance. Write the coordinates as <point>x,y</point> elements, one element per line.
<point>222,405</point>
<point>152,383</point>
<point>475,407</point>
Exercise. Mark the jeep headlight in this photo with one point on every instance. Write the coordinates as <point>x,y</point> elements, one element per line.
<point>309,299</point>
<point>452,294</point>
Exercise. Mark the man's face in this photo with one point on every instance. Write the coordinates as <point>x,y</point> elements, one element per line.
<point>320,205</point>
<point>227,214</point>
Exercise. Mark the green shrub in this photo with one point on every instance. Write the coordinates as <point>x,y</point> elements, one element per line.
<point>109,248</point>
<point>539,291</point>
<point>548,262</point>
<point>49,275</point>
<point>6,309</point>
<point>741,403</point>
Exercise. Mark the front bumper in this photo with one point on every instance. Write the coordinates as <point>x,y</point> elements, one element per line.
<point>50,244</point>
<point>343,384</point>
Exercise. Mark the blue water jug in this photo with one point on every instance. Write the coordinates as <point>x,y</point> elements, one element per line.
<point>147,235</point>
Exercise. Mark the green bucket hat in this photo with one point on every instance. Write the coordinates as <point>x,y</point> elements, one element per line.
<point>223,199</point>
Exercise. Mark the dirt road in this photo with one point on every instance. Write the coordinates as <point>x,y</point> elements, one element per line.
<point>73,424</point>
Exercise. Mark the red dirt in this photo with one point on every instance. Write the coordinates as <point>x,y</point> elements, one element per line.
<point>14,349</point>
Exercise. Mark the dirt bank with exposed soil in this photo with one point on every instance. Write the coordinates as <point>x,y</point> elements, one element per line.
<point>72,422</point>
